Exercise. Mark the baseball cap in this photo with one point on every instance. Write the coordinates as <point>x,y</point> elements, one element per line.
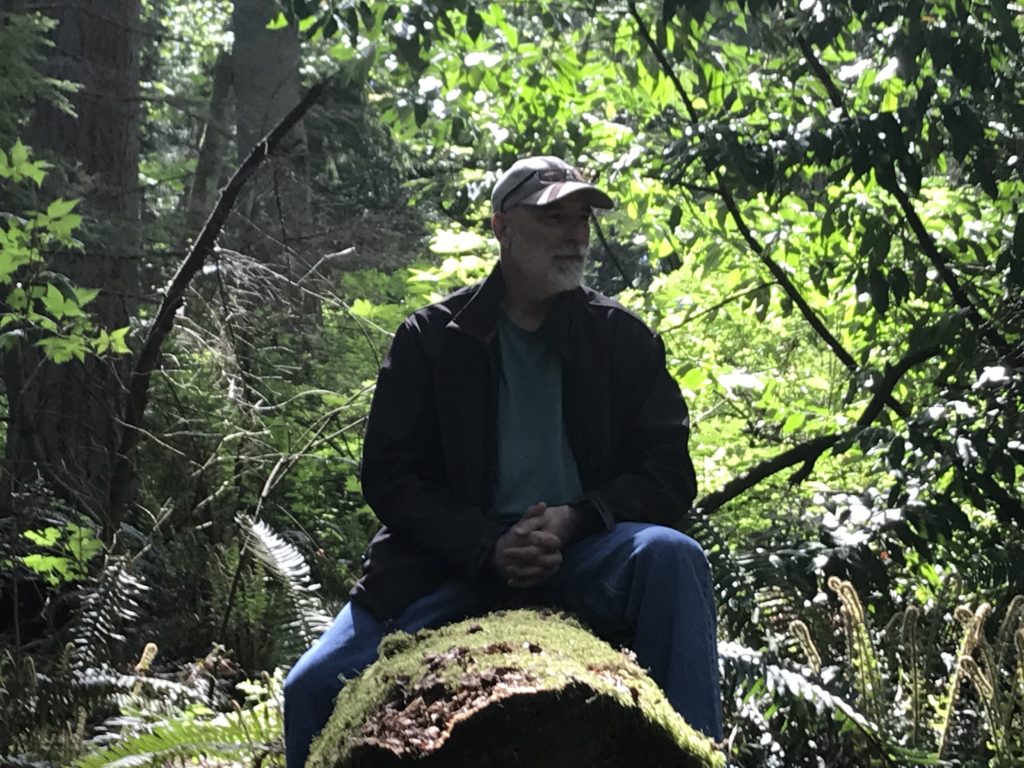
<point>542,180</point>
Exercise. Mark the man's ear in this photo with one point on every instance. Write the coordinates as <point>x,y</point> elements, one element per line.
<point>499,225</point>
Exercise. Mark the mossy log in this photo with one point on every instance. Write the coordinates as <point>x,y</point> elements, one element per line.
<point>508,690</point>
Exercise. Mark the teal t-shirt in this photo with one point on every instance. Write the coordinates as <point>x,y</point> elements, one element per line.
<point>535,462</point>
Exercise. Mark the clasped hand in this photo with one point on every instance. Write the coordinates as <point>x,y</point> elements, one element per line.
<point>530,551</point>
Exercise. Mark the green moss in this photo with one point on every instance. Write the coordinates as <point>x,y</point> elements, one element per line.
<point>507,656</point>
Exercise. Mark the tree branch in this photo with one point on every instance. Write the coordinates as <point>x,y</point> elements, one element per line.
<point>926,241</point>
<point>834,94</point>
<point>758,248</point>
<point>715,307</point>
<point>811,450</point>
<point>609,251</point>
<point>149,354</point>
<point>996,339</point>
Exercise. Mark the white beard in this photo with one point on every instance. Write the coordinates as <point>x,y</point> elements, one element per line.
<point>565,275</point>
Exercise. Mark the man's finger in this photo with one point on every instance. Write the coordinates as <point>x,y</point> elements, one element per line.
<point>544,560</point>
<point>531,520</point>
<point>545,540</point>
<point>530,553</point>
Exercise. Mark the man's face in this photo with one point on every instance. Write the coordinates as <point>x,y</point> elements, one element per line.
<point>544,248</point>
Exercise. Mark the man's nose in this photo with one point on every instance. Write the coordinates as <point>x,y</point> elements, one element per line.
<point>579,232</point>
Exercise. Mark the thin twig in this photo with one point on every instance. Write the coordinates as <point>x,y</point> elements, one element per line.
<point>149,354</point>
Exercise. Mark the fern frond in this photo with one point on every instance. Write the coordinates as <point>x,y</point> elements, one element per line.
<point>780,680</point>
<point>106,608</point>
<point>102,683</point>
<point>240,735</point>
<point>973,623</point>
<point>794,683</point>
<point>287,566</point>
<point>253,734</point>
<point>861,649</point>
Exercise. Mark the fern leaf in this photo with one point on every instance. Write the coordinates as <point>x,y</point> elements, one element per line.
<point>242,734</point>
<point>286,564</point>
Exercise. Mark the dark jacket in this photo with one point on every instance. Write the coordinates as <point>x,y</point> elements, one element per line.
<point>429,458</point>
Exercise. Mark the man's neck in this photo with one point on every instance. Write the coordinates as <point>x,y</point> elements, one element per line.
<point>526,312</point>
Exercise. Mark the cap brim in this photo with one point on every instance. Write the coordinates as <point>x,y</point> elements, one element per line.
<point>562,189</point>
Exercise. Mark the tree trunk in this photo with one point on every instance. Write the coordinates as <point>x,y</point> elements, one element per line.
<point>507,690</point>
<point>202,193</point>
<point>275,213</point>
<point>63,418</point>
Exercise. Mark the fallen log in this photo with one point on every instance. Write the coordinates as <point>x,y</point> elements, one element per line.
<point>513,689</point>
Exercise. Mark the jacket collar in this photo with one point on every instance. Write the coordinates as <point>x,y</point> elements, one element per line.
<point>479,316</point>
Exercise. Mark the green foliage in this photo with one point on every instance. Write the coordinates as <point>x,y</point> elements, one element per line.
<point>240,592</point>
<point>897,694</point>
<point>251,732</point>
<point>289,570</point>
<point>38,302</point>
<point>808,196</point>
<point>23,39</point>
<point>74,546</point>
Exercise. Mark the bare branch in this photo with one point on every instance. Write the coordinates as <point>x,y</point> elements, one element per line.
<point>149,354</point>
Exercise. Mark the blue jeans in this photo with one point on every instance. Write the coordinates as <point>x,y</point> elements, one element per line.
<point>643,581</point>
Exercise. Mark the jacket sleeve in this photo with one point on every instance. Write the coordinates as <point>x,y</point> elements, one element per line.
<point>403,473</point>
<point>654,480</point>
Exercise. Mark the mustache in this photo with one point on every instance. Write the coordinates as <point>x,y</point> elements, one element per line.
<point>576,251</point>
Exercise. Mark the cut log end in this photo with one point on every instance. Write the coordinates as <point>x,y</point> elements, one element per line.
<point>507,690</point>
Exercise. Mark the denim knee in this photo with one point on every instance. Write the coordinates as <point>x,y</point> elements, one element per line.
<point>309,681</point>
<point>667,548</point>
<point>297,684</point>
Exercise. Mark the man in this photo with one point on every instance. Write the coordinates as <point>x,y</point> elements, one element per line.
<point>526,442</point>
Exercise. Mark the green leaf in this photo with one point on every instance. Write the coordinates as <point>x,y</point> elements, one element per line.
<point>878,287</point>
<point>53,302</point>
<point>52,568</point>
<point>793,422</point>
<point>694,379</point>
<point>19,155</point>
<point>899,285</point>
<point>82,544</point>
<point>64,226</point>
<point>36,172</point>
<point>45,537</point>
<point>361,308</point>
<point>60,208</point>
<point>279,22</point>
<point>101,344</point>
<point>118,341</point>
<point>85,295</point>
<point>62,349</point>
<point>343,51</point>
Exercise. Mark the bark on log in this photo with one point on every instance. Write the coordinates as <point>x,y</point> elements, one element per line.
<point>508,690</point>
